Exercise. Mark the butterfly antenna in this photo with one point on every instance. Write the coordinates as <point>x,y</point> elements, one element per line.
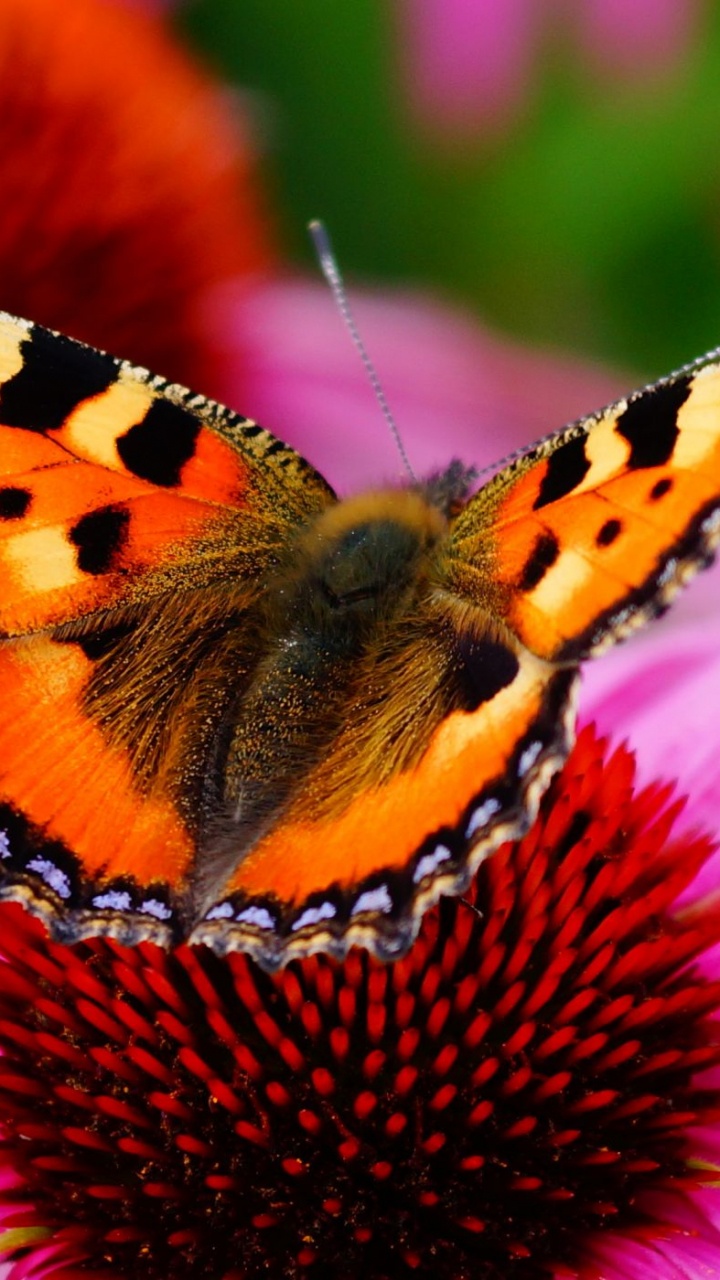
<point>331,271</point>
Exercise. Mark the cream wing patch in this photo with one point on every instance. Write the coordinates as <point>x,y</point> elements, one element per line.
<point>41,560</point>
<point>12,335</point>
<point>94,427</point>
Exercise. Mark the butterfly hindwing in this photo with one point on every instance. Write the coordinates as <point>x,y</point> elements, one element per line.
<point>72,814</point>
<point>448,739</point>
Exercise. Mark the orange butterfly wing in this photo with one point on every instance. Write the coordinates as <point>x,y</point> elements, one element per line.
<point>118,492</point>
<point>117,487</point>
<point>592,534</point>
<point>365,874</point>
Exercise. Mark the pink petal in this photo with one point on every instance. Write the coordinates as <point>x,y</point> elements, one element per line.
<point>683,1212</point>
<point>42,1262</point>
<point>689,1249</point>
<point>644,36</point>
<point>614,1257</point>
<point>707,1201</point>
<point>705,1143</point>
<point>662,691</point>
<point>467,62</point>
<point>693,1259</point>
<point>455,389</point>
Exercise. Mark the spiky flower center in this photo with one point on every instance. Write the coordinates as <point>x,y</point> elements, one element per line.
<point>523,1077</point>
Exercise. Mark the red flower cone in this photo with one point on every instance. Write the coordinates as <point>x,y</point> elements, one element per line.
<point>531,1085</point>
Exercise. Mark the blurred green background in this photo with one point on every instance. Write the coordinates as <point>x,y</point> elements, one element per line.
<point>588,220</point>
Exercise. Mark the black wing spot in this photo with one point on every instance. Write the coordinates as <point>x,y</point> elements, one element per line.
<point>57,376</point>
<point>487,667</point>
<point>157,448</point>
<point>100,537</point>
<point>659,489</point>
<point>277,446</point>
<point>608,533</point>
<point>649,424</point>
<point>14,503</point>
<point>542,557</point>
<point>566,469</point>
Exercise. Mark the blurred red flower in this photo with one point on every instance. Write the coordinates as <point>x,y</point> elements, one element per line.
<point>127,183</point>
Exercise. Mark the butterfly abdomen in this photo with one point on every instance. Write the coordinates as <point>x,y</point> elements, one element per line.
<point>356,572</point>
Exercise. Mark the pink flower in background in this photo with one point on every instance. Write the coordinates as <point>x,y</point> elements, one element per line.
<point>470,64</point>
<point>455,388</point>
<point>639,38</point>
<point>662,691</point>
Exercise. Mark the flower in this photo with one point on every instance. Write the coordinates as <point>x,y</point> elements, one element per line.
<point>663,689</point>
<point>455,389</point>
<point>128,191</point>
<point>470,64</point>
<point>532,1090</point>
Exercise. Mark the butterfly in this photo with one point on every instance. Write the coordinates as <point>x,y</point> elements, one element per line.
<point>237,711</point>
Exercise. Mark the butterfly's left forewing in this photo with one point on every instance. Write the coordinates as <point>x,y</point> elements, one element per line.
<point>117,487</point>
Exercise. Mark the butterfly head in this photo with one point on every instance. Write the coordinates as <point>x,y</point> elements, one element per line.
<point>358,560</point>
<point>449,489</point>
